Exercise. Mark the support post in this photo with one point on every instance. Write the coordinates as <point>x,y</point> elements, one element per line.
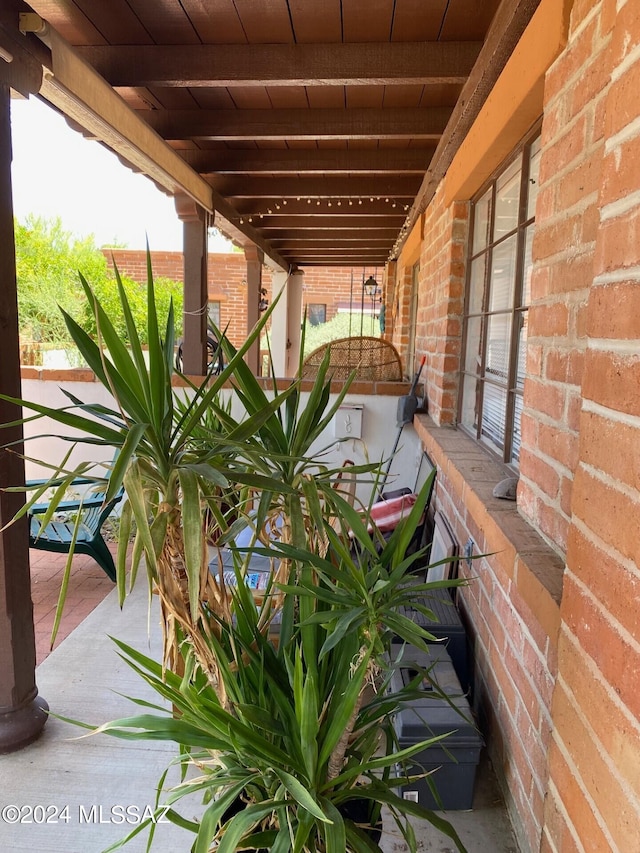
<point>294,321</point>
<point>286,323</point>
<point>279,333</point>
<point>196,292</point>
<point>254,258</point>
<point>22,712</point>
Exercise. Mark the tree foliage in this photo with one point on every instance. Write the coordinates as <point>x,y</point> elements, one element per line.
<point>107,293</point>
<point>340,326</point>
<point>48,262</point>
<point>48,259</point>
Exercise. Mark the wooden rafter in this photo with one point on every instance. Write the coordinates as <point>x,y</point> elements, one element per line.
<point>383,186</point>
<point>292,124</point>
<point>384,63</point>
<point>309,161</point>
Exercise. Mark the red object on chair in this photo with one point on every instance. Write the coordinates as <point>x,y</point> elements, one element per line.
<point>386,514</point>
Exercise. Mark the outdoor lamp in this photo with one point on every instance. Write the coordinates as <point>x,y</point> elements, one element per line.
<point>371,287</point>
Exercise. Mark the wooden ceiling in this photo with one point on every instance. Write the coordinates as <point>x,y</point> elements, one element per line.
<point>321,123</point>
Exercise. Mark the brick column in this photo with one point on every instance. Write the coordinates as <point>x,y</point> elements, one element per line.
<point>22,711</point>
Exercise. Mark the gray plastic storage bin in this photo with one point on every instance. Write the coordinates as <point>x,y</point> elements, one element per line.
<point>454,760</point>
<point>447,627</point>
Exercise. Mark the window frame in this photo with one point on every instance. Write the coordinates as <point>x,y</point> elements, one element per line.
<point>508,453</point>
<point>316,305</point>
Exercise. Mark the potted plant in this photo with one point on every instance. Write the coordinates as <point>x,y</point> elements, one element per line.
<point>288,727</point>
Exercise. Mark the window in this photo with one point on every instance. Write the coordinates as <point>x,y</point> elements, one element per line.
<point>214,313</point>
<point>498,295</point>
<point>317,314</point>
<point>413,319</point>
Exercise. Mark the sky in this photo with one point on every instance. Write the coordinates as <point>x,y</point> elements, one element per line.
<point>57,172</point>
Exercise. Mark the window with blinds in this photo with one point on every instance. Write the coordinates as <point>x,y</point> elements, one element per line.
<point>497,300</point>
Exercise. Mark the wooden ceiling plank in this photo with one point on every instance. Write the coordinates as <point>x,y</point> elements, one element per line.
<point>212,99</point>
<point>250,97</point>
<point>468,17</point>
<point>115,20</point>
<point>403,95</point>
<point>283,64</point>
<point>313,23</point>
<point>364,96</point>
<point>415,20</point>
<point>222,28</point>
<point>165,21</point>
<point>299,124</point>
<point>286,97</point>
<point>325,97</point>
<point>68,20</point>
<point>375,25</point>
<point>172,99</point>
<point>266,22</point>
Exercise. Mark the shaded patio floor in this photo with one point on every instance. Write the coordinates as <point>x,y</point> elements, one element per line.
<point>83,679</point>
<point>88,586</point>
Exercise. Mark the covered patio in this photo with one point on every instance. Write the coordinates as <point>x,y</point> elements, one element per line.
<point>480,163</point>
<point>309,136</point>
<point>60,771</point>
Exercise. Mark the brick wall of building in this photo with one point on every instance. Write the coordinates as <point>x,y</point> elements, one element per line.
<point>552,609</point>
<point>512,618</point>
<point>594,791</point>
<point>563,252</point>
<point>334,287</point>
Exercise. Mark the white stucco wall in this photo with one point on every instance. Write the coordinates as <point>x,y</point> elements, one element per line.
<point>379,433</point>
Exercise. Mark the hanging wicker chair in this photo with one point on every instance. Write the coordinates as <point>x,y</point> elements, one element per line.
<point>372,358</point>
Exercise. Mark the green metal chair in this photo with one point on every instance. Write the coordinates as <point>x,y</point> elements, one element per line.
<point>57,535</point>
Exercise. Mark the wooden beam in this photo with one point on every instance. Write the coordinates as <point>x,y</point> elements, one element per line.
<point>310,161</point>
<point>300,124</point>
<point>336,260</point>
<point>384,236</point>
<point>383,64</point>
<point>273,226</point>
<point>324,246</point>
<point>18,68</point>
<point>22,712</point>
<point>372,187</point>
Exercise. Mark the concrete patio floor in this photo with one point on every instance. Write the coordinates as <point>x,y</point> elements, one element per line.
<point>77,783</point>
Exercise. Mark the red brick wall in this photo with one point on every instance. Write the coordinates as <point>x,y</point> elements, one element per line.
<point>594,792</point>
<point>512,618</point>
<point>553,610</point>
<point>330,286</point>
<point>563,252</point>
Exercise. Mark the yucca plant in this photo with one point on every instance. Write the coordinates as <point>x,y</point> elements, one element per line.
<point>305,755</point>
<point>280,704</point>
<point>172,480</point>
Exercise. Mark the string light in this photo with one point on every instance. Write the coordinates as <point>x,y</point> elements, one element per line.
<point>350,201</point>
